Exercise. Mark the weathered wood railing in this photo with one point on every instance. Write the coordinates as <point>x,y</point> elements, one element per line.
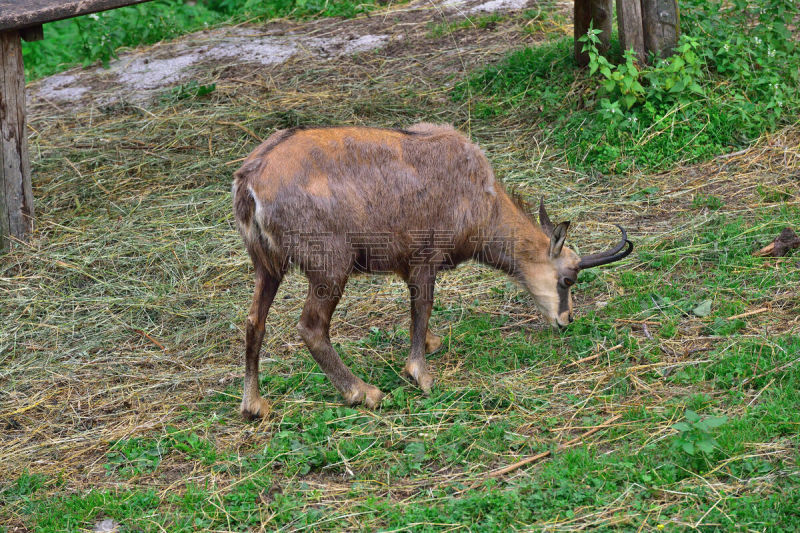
<point>23,20</point>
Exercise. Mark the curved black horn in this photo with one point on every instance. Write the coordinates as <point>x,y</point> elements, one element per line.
<point>544,220</point>
<point>609,256</point>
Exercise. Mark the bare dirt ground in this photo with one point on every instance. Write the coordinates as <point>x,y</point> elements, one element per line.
<point>203,57</point>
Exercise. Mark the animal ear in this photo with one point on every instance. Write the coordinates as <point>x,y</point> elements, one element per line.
<point>557,239</point>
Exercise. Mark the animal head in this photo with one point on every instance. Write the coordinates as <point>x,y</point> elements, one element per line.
<point>550,280</point>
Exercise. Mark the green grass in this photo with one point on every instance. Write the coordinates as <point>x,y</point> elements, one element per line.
<point>746,80</point>
<point>95,38</point>
<point>413,437</point>
<point>482,22</point>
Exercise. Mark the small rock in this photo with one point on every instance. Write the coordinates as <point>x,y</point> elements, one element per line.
<point>703,309</point>
<point>106,526</point>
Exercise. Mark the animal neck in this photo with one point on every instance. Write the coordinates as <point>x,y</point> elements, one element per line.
<point>512,239</point>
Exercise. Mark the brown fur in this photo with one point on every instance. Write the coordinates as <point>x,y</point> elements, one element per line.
<point>334,201</point>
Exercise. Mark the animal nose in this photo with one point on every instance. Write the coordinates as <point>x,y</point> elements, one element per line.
<point>571,318</point>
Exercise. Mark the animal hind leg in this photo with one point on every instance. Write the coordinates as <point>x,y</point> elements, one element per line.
<point>314,328</point>
<point>253,404</point>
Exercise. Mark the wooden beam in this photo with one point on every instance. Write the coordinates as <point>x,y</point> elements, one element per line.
<point>598,13</point>
<point>631,31</point>
<point>661,21</point>
<point>16,14</point>
<point>16,196</point>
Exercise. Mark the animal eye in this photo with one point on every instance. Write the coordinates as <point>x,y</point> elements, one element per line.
<point>569,282</point>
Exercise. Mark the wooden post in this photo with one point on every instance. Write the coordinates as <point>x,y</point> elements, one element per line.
<point>629,21</point>
<point>598,13</point>
<point>661,21</point>
<point>16,195</point>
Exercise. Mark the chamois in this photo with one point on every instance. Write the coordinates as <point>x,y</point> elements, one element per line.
<point>334,201</point>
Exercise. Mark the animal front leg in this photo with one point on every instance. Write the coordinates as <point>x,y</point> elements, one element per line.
<point>420,285</point>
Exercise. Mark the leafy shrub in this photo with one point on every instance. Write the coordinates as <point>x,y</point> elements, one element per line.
<point>734,75</point>
<point>670,81</point>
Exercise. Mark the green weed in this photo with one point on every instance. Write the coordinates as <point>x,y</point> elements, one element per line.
<point>707,200</point>
<point>482,22</point>
<point>695,434</point>
<point>136,456</point>
<point>188,91</point>
<point>132,457</point>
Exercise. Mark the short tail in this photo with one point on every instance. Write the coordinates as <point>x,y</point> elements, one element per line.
<point>263,249</point>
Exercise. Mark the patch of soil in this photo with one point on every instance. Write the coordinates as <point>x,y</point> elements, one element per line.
<point>141,75</point>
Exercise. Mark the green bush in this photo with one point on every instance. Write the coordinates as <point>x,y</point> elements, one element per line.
<point>734,75</point>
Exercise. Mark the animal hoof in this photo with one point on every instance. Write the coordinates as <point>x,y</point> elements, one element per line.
<point>373,397</point>
<point>420,377</point>
<point>425,383</point>
<point>432,342</point>
<point>364,393</point>
<point>254,410</point>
